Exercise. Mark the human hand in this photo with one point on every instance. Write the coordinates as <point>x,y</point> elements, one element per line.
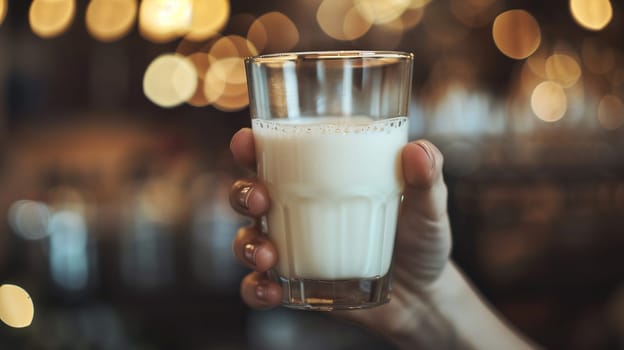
<point>423,243</point>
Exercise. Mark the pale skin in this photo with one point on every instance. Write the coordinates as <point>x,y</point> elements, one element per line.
<point>433,306</point>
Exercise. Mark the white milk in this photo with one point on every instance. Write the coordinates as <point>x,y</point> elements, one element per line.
<point>335,189</point>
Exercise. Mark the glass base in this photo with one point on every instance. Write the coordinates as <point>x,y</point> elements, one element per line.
<point>328,295</point>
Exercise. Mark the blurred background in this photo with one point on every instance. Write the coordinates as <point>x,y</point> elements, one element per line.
<point>115,120</point>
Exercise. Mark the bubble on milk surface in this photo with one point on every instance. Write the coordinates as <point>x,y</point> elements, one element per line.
<point>329,126</point>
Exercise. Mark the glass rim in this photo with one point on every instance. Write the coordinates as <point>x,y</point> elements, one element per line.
<point>328,55</point>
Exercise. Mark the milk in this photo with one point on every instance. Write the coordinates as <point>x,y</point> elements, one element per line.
<point>335,186</point>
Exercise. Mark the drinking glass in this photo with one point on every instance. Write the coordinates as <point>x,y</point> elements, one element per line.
<point>328,129</point>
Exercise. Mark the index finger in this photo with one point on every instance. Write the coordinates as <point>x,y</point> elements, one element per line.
<point>243,148</point>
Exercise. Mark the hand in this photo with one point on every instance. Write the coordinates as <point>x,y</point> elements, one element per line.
<point>421,253</point>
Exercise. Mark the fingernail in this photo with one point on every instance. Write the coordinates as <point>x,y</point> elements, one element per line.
<point>249,252</point>
<point>261,291</point>
<point>243,196</point>
<point>429,154</point>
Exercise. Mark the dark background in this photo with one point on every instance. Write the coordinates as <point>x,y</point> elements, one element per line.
<point>536,207</point>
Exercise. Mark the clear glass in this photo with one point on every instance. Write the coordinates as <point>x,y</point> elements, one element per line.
<point>329,128</point>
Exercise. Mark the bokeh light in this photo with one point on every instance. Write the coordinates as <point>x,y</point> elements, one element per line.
<point>170,80</point>
<point>379,12</point>
<point>214,84</point>
<point>355,25</point>
<point>110,20</point>
<point>273,32</point>
<point>233,46</point>
<point>225,84</point>
<point>611,112</point>
<point>409,18</point>
<point>231,70</point>
<point>598,57</point>
<point>412,17</point>
<point>549,101</point>
<point>591,14</point>
<point>341,20</point>
<point>232,103</point>
<point>29,219</point>
<point>563,69</point>
<point>208,18</point>
<point>3,10</point>
<point>201,61</point>
<point>516,33</point>
<point>416,4</point>
<point>164,20</point>
<point>16,306</point>
<point>50,18</point>
<point>225,47</point>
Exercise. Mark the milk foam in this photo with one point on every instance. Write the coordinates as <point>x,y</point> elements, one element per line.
<point>335,187</point>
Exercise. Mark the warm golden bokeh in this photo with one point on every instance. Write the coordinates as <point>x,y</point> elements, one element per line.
<point>232,70</point>
<point>592,14</point>
<point>598,57</point>
<point>110,20</point>
<point>224,47</point>
<point>232,46</point>
<point>563,69</point>
<point>416,4</point>
<point>202,62</point>
<point>355,25</point>
<point>412,17</point>
<point>170,80</point>
<point>16,306</point>
<point>208,18</point>
<point>381,11</point>
<point>611,112</point>
<point>165,20</point>
<point>50,18</point>
<point>409,19</point>
<point>214,85</point>
<point>516,33</point>
<point>273,32</point>
<point>335,16</point>
<point>224,83</point>
<point>232,103</point>
<point>549,101</point>
<point>3,10</point>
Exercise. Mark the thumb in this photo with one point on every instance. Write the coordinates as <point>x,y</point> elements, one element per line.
<point>424,234</point>
<point>425,192</point>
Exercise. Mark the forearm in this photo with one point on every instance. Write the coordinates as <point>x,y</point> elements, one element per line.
<point>474,324</point>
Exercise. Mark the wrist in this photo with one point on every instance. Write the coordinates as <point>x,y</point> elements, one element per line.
<point>424,324</point>
<point>472,321</point>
